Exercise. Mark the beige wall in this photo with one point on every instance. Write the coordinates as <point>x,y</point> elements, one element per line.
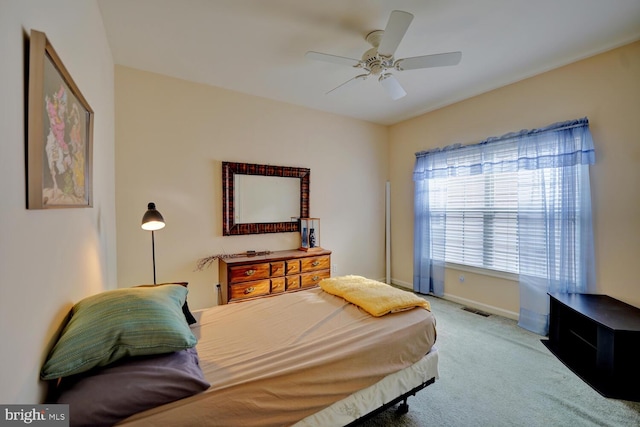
<point>604,88</point>
<point>171,137</point>
<point>50,259</point>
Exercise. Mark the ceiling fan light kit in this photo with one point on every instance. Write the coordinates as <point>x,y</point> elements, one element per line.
<point>379,60</point>
<point>392,86</point>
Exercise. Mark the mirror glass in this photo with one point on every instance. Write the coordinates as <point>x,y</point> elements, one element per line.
<point>263,198</point>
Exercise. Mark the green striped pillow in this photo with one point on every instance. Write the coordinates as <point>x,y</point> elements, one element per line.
<point>119,323</point>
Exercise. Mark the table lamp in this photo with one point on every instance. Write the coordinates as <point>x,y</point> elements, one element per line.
<point>152,221</point>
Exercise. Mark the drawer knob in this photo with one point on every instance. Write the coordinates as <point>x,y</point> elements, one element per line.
<point>249,290</point>
<point>315,278</point>
<point>249,273</point>
<point>315,263</point>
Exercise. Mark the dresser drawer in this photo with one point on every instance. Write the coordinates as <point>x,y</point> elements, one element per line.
<point>293,282</point>
<point>277,269</point>
<point>277,285</point>
<point>293,266</point>
<point>245,273</point>
<point>312,279</point>
<point>249,290</point>
<point>316,263</point>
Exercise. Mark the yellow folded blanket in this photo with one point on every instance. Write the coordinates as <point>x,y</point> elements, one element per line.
<point>376,298</point>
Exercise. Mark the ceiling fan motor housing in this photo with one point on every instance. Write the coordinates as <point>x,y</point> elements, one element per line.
<point>375,63</point>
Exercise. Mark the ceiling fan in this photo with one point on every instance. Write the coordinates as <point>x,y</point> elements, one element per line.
<point>379,60</point>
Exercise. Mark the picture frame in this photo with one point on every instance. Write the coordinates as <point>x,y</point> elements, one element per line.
<point>59,133</point>
<point>232,169</point>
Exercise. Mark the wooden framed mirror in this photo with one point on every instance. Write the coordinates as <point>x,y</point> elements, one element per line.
<point>259,199</point>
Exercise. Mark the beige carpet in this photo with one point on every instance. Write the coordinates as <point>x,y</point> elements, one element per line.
<point>494,373</point>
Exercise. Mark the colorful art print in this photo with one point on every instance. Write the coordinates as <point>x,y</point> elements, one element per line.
<point>60,128</point>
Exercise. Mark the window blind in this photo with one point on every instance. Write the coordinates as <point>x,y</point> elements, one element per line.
<point>480,219</point>
<point>479,216</point>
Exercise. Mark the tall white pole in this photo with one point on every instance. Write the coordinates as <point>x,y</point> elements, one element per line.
<point>388,231</point>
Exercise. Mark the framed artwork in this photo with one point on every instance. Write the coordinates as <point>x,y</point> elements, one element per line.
<point>59,133</point>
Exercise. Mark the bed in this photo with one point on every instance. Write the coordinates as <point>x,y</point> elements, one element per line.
<point>308,358</point>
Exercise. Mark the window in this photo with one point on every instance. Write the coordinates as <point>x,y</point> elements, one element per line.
<point>480,220</point>
<point>519,203</point>
<point>481,217</point>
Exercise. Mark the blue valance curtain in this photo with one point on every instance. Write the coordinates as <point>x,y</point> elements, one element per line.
<point>554,211</point>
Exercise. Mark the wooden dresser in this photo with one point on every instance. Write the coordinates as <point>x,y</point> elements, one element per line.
<point>250,277</point>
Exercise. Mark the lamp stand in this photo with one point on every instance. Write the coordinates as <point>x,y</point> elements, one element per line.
<point>153,254</point>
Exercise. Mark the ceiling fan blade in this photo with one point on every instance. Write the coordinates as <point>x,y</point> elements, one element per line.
<point>429,61</point>
<point>325,57</point>
<point>392,86</point>
<point>348,83</point>
<point>394,32</point>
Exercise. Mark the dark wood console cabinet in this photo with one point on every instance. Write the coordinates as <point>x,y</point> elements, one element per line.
<point>598,338</point>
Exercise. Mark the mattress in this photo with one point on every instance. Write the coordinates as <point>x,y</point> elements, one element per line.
<point>276,361</point>
<point>362,402</point>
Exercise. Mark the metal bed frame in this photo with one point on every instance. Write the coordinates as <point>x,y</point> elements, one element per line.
<point>402,409</point>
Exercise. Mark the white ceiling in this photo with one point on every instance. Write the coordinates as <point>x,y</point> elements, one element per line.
<point>257,46</point>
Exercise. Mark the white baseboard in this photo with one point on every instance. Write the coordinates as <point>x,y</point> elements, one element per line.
<point>467,302</point>
<point>480,306</point>
<point>401,283</point>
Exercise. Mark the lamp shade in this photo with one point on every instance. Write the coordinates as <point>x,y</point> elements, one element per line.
<point>392,86</point>
<point>152,219</point>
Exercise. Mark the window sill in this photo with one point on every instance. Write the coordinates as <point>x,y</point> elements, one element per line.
<point>483,271</point>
